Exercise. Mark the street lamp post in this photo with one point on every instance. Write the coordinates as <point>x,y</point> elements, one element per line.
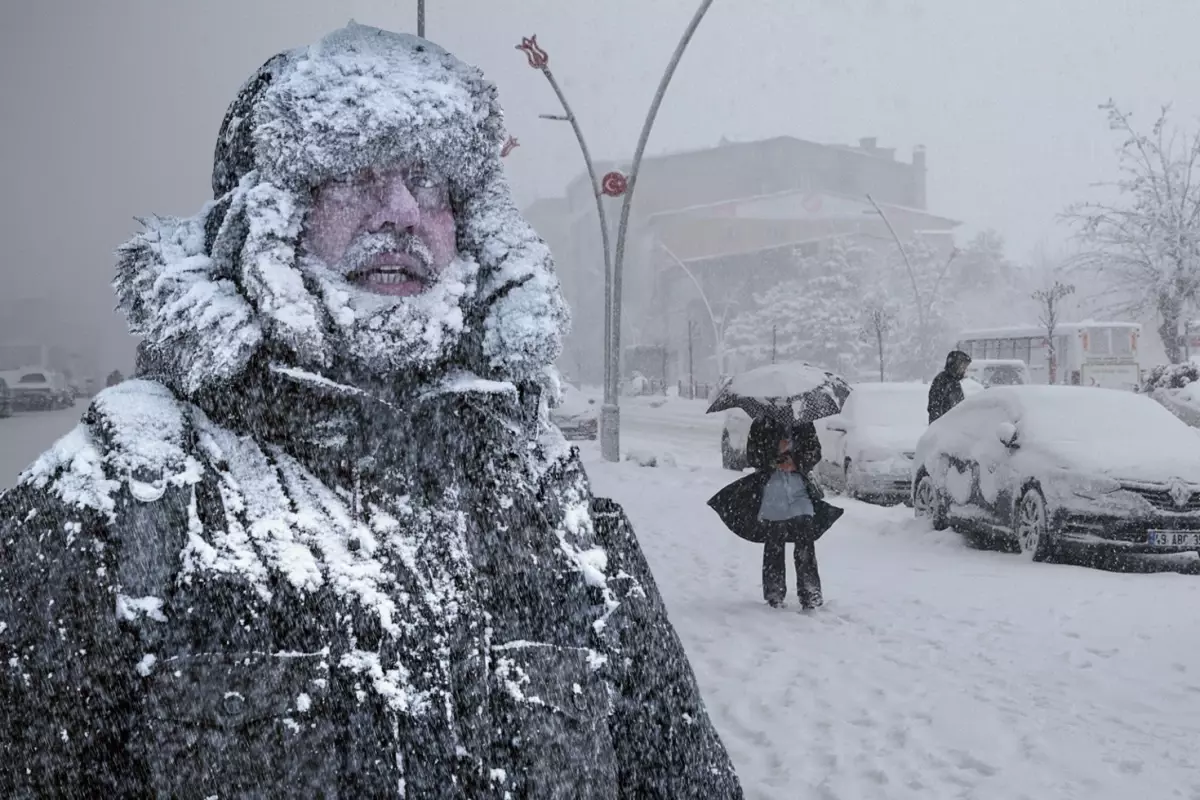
<point>717,326</point>
<point>613,185</point>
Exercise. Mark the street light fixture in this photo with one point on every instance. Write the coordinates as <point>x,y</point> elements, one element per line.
<point>614,185</point>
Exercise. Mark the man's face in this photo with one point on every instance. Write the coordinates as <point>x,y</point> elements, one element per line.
<point>390,231</point>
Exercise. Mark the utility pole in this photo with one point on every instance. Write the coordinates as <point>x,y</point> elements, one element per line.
<point>774,330</point>
<point>421,18</point>
<point>691,374</point>
<point>613,184</point>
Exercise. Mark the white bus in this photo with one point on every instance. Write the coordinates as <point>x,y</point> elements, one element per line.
<point>1087,353</point>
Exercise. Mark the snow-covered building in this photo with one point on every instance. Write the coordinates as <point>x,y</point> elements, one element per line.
<point>712,227</point>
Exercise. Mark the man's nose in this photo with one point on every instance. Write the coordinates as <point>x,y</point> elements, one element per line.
<point>397,207</point>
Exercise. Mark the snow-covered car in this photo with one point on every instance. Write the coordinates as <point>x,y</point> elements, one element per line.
<point>734,434</point>
<point>576,414</point>
<point>1048,466</point>
<point>867,450</point>
<point>6,399</point>
<point>999,372</point>
<point>41,390</point>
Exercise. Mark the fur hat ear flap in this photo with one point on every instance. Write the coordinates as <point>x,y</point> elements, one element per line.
<point>273,218</point>
<point>255,247</point>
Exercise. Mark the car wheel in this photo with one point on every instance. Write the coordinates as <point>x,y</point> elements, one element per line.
<point>926,504</point>
<point>1034,537</point>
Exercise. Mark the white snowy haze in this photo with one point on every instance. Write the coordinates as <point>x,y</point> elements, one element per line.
<point>109,110</point>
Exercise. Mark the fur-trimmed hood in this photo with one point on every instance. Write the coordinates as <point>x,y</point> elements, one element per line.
<point>211,292</point>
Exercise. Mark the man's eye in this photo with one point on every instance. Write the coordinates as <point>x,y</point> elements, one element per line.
<point>424,180</point>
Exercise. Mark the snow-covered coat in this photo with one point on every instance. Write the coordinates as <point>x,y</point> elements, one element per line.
<point>945,390</point>
<point>255,570</point>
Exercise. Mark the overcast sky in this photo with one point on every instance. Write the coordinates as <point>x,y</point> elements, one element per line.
<point>109,109</point>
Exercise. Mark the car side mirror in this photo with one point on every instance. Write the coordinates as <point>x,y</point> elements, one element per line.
<point>1006,432</point>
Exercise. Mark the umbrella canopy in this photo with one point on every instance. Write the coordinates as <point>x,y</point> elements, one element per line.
<point>790,393</point>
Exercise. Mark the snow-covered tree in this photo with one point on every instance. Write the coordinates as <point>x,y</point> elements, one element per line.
<point>878,326</point>
<point>917,281</point>
<point>816,317</point>
<point>981,267</point>
<point>1145,244</point>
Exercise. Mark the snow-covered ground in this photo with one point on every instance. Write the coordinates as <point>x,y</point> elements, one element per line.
<point>24,436</point>
<point>935,670</point>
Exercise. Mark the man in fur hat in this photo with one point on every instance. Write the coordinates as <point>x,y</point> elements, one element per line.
<point>326,542</point>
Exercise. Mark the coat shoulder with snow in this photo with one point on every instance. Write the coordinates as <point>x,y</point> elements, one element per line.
<point>171,593</point>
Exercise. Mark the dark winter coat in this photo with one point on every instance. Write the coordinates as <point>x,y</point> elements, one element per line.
<point>738,503</point>
<point>945,391</point>
<point>158,643</point>
<point>316,549</point>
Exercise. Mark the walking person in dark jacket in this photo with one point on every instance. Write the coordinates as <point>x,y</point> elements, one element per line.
<point>946,390</point>
<point>786,512</point>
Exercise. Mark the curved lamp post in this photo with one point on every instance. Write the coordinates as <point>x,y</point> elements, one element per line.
<point>718,327</point>
<point>614,184</point>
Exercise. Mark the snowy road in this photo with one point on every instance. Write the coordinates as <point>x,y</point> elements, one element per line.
<point>935,671</point>
<point>25,435</point>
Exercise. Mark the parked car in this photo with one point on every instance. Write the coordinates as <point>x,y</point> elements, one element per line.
<point>867,450</point>
<point>41,390</point>
<point>1048,466</point>
<point>576,415</point>
<point>734,434</point>
<point>6,399</point>
<point>999,372</point>
<point>736,428</point>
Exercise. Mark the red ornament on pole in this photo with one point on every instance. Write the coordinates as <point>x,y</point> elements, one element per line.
<point>509,146</point>
<point>614,184</point>
<point>538,58</point>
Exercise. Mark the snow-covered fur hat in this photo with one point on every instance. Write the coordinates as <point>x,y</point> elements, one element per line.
<point>211,292</point>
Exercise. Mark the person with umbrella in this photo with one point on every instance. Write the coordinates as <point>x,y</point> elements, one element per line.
<point>780,503</point>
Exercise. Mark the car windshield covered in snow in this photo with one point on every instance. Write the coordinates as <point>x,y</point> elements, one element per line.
<point>999,372</point>
<point>1084,414</point>
<point>888,405</point>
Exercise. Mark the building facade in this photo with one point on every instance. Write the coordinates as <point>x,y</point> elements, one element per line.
<point>711,228</point>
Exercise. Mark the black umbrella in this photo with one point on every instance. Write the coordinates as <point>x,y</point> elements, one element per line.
<point>790,393</point>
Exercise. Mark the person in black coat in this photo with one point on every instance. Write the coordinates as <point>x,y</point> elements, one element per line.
<point>786,510</point>
<point>740,505</point>
<point>946,390</point>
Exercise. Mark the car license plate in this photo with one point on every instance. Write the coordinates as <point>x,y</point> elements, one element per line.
<point>1173,538</point>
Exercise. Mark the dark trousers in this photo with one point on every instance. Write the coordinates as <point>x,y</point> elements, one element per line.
<point>774,571</point>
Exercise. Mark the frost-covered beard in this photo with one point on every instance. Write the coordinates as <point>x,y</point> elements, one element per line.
<point>364,249</point>
<point>381,336</point>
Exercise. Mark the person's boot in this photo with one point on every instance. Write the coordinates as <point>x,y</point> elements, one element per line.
<point>811,599</point>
